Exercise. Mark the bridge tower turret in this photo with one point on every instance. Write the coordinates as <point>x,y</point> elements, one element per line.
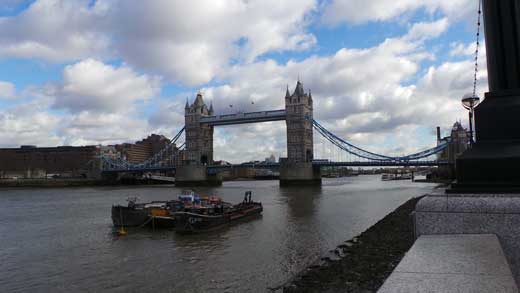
<point>199,137</point>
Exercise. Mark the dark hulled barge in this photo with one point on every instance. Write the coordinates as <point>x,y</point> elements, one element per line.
<point>190,213</point>
<point>199,220</point>
<point>140,214</point>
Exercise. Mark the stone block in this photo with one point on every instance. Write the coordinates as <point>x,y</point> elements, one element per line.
<point>432,204</point>
<point>477,223</point>
<point>437,223</point>
<point>511,204</point>
<point>462,204</point>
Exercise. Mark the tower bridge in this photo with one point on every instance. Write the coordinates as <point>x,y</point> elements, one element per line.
<point>200,122</point>
<point>197,165</point>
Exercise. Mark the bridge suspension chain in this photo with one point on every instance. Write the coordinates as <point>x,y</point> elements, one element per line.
<point>477,48</point>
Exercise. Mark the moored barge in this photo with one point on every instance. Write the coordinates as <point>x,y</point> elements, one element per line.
<point>190,213</point>
<point>139,214</point>
<point>196,220</point>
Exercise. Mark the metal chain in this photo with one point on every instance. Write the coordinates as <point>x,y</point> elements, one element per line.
<point>476,49</point>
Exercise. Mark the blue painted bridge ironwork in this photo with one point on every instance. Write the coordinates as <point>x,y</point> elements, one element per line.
<point>242,118</point>
<point>213,169</point>
<point>162,161</point>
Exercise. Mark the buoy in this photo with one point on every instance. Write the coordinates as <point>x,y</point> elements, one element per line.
<point>122,231</point>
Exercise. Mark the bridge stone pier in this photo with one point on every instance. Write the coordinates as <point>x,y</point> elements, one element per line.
<point>200,121</point>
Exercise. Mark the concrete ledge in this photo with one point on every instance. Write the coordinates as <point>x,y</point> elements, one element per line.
<point>452,263</point>
<point>497,214</point>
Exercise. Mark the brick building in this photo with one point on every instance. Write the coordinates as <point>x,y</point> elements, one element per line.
<point>34,162</point>
<point>144,149</point>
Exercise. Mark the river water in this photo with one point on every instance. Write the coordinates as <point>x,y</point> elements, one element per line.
<point>62,240</point>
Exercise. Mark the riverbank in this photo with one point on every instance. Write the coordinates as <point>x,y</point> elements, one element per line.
<point>73,182</point>
<point>364,262</point>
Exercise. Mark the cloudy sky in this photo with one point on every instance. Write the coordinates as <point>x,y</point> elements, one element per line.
<point>382,73</point>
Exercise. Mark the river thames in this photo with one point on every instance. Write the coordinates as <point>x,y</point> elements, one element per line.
<point>62,240</point>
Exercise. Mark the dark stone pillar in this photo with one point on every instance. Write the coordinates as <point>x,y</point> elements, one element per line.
<point>501,21</point>
<point>493,164</point>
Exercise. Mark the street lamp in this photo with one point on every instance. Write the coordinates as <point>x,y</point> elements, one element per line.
<point>469,101</point>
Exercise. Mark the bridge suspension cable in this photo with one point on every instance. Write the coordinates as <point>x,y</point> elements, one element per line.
<point>364,154</point>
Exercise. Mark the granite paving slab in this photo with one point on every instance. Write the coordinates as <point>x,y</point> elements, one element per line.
<point>453,263</point>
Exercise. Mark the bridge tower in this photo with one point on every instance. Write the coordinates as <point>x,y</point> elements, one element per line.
<point>199,137</point>
<point>297,168</point>
<point>199,146</point>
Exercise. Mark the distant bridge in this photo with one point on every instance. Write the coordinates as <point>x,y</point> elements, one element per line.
<point>301,128</point>
<point>369,159</point>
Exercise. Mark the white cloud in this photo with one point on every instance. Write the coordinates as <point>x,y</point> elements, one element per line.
<point>91,85</point>
<point>88,128</point>
<point>53,30</point>
<point>361,11</point>
<point>188,42</point>
<point>192,42</point>
<point>31,123</point>
<point>28,123</point>
<point>427,30</point>
<point>460,49</point>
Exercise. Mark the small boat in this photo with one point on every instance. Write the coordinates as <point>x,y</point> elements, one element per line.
<point>401,176</point>
<point>387,177</point>
<point>406,176</point>
<point>205,218</point>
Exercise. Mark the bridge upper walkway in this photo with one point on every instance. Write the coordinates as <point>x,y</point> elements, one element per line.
<point>242,118</point>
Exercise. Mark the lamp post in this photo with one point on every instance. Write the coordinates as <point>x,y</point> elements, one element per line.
<point>469,101</point>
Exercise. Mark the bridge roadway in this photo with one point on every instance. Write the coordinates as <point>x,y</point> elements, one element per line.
<point>218,168</point>
<point>242,118</point>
